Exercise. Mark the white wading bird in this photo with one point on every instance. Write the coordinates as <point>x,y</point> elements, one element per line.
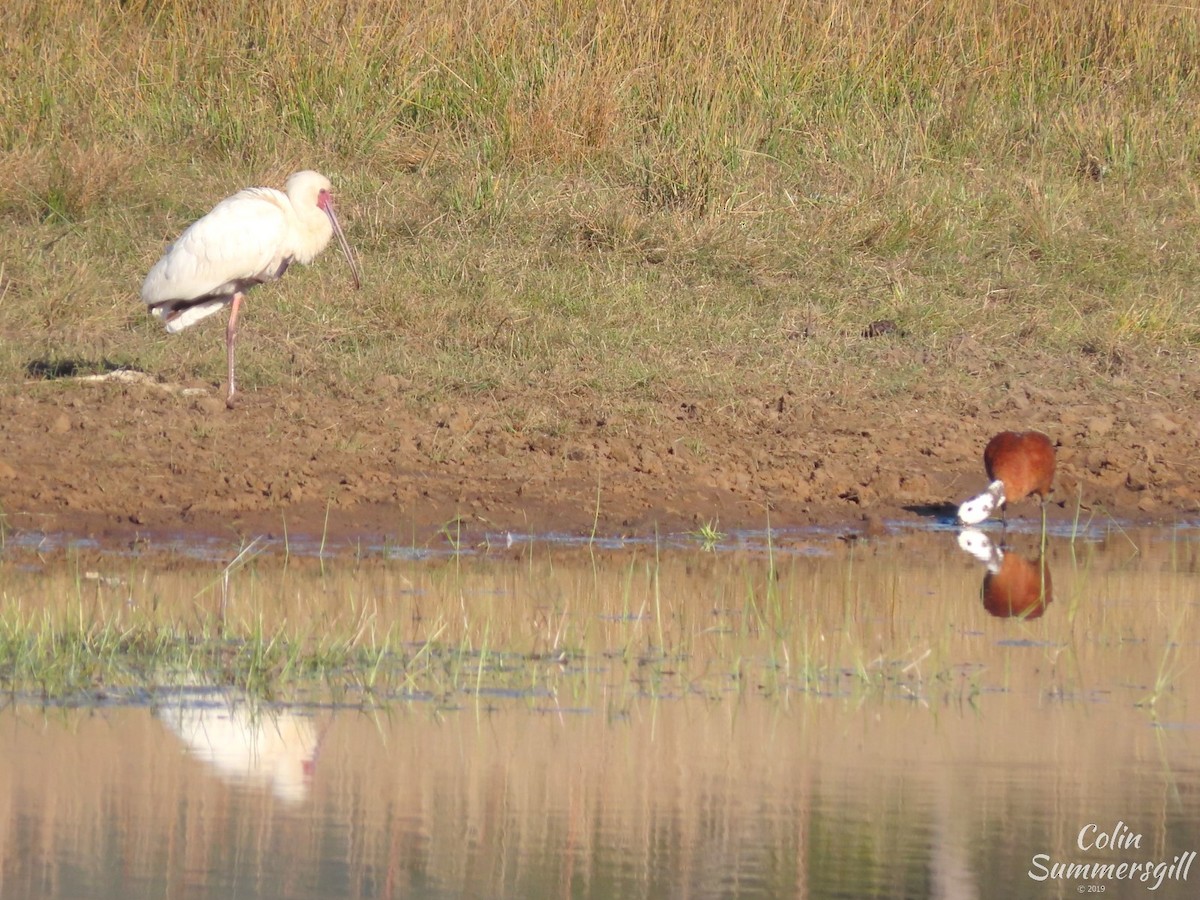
<point>245,240</point>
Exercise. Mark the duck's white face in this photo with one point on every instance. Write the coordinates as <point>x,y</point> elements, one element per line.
<point>977,509</point>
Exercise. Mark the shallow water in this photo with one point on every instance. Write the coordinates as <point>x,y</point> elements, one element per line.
<point>822,719</point>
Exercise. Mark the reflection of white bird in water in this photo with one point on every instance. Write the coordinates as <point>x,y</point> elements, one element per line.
<point>245,240</point>
<point>261,748</point>
<point>980,546</point>
<point>1013,587</point>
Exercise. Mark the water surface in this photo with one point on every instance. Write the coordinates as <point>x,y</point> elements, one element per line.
<point>826,719</point>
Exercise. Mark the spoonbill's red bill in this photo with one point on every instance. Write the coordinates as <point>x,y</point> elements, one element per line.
<point>1018,463</point>
<point>244,240</point>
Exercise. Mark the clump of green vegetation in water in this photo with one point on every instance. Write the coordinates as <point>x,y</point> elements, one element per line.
<point>55,662</point>
<point>61,659</point>
<point>708,535</point>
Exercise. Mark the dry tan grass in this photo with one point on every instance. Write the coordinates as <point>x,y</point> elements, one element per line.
<point>630,198</point>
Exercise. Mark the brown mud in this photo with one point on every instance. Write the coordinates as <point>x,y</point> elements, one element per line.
<point>125,462</point>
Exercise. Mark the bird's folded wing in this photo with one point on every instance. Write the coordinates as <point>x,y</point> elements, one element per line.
<point>240,241</point>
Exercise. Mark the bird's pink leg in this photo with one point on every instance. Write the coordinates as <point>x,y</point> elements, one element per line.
<point>230,339</point>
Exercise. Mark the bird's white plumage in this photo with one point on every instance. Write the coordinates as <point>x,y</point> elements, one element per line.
<point>189,316</point>
<point>245,240</point>
<point>245,237</point>
<point>977,509</point>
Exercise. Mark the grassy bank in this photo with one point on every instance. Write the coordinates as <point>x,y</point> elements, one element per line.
<point>622,200</point>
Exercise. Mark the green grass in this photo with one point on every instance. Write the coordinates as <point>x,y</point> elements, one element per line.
<point>708,536</point>
<point>621,202</point>
<point>589,626</point>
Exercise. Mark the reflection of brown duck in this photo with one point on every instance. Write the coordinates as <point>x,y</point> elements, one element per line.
<point>1013,586</point>
<point>1016,588</point>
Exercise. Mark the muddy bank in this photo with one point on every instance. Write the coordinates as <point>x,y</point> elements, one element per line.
<point>122,461</point>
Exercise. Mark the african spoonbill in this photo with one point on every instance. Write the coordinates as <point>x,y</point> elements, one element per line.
<point>244,240</point>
